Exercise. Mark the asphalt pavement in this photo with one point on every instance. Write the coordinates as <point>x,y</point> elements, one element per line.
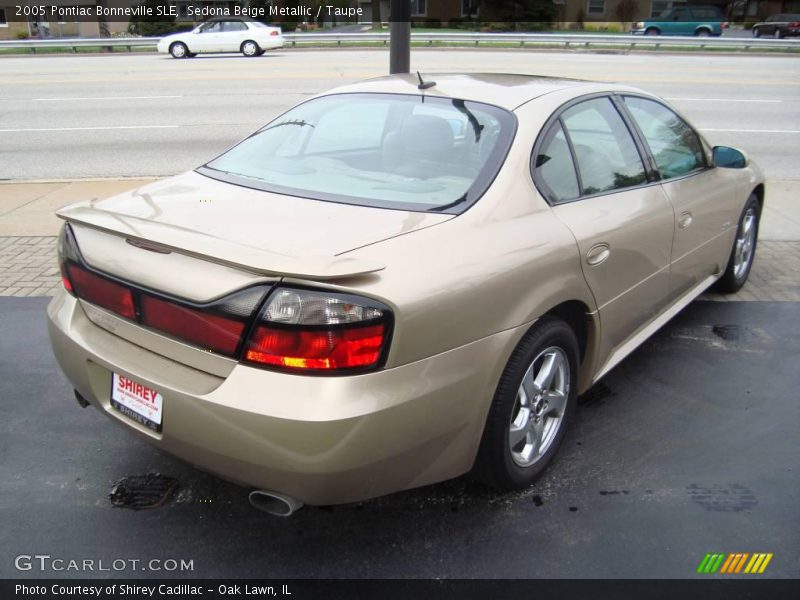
<point>688,447</point>
<point>138,115</point>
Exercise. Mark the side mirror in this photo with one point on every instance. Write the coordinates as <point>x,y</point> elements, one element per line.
<point>728,158</point>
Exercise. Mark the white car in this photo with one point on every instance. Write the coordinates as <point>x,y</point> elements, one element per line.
<point>251,38</point>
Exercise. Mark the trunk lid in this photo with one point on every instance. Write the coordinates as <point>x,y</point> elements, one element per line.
<point>261,232</point>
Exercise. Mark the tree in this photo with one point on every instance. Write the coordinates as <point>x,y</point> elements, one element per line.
<point>626,12</point>
<point>376,13</point>
<point>520,14</point>
<point>153,25</point>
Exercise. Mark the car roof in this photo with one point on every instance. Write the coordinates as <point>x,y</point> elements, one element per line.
<point>508,91</point>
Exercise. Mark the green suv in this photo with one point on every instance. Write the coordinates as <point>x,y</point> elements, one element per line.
<point>684,20</point>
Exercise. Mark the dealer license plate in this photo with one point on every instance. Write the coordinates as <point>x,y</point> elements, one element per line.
<point>137,401</point>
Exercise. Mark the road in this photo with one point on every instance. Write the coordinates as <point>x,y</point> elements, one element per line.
<point>689,446</point>
<point>64,117</point>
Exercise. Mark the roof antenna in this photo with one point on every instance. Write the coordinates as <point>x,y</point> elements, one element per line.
<point>424,85</point>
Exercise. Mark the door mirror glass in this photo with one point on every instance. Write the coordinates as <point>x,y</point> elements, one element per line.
<point>729,158</point>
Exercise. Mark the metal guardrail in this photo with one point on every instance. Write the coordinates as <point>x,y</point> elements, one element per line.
<point>567,40</point>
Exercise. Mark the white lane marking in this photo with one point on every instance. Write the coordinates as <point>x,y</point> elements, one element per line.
<point>105,98</point>
<point>91,128</point>
<point>725,100</point>
<point>753,130</point>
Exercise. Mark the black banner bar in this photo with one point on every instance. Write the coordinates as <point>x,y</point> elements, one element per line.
<point>424,13</point>
<point>405,589</point>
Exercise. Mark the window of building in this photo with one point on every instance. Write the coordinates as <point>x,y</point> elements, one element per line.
<point>469,8</point>
<point>419,8</point>
<point>596,7</point>
<point>3,19</point>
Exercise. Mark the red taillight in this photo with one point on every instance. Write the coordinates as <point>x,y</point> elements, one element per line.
<point>98,290</point>
<point>274,32</point>
<point>65,277</point>
<point>356,347</point>
<point>204,329</point>
<point>725,25</point>
<point>794,24</point>
<point>67,285</point>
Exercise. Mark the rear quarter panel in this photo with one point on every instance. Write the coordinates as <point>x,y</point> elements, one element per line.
<point>501,264</point>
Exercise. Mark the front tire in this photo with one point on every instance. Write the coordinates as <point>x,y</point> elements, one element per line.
<point>532,406</point>
<point>250,48</point>
<point>652,31</point>
<point>756,32</point>
<point>778,34</point>
<point>743,251</point>
<point>179,50</point>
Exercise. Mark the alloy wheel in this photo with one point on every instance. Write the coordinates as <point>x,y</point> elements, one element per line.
<point>540,406</point>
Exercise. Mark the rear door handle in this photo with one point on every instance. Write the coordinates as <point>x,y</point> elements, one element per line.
<point>598,253</point>
<point>684,220</point>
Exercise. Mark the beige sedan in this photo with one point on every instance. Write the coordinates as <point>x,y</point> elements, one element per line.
<point>393,284</point>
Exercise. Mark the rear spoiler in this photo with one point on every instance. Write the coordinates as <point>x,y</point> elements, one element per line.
<point>172,238</point>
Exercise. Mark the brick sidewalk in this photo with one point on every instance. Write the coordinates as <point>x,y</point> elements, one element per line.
<point>28,268</point>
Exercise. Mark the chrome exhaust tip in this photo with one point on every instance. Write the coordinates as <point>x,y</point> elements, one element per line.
<point>274,503</point>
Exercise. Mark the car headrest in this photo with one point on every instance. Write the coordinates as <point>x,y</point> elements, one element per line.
<point>426,136</point>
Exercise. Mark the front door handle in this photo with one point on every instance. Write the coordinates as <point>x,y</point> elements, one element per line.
<point>597,254</point>
<point>684,220</point>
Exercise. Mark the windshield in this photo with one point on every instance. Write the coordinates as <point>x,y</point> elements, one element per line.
<point>386,150</point>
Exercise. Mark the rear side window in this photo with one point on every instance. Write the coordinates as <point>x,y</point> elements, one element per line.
<point>233,26</point>
<point>679,14</point>
<point>605,152</point>
<point>708,14</point>
<point>553,168</point>
<point>674,145</point>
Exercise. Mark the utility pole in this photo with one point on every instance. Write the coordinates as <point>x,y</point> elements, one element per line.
<point>400,36</point>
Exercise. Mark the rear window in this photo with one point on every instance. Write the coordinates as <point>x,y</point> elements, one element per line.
<point>386,150</point>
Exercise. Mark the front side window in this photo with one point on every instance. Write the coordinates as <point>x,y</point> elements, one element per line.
<point>659,7</point>
<point>214,27</point>
<point>605,152</point>
<point>553,169</point>
<point>387,150</point>
<point>674,145</point>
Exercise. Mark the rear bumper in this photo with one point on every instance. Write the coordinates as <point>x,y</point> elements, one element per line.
<point>323,440</point>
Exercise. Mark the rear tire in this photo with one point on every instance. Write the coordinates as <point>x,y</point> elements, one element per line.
<point>250,48</point>
<point>744,249</point>
<point>179,50</point>
<point>532,406</point>
<point>702,33</point>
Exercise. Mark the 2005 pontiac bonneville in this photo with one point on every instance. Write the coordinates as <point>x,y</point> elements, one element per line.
<point>396,282</point>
